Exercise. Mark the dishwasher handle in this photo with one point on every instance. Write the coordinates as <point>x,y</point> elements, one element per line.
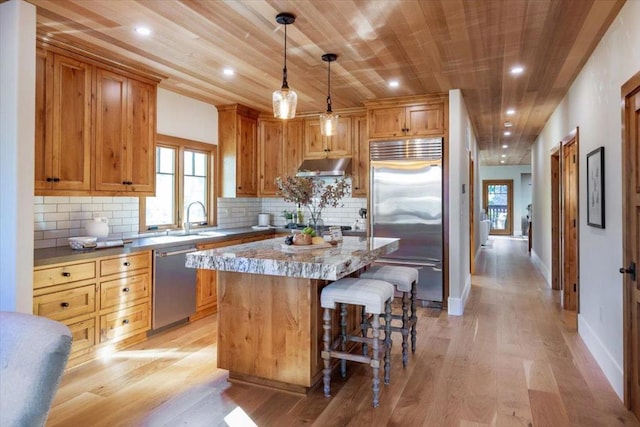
<point>170,253</point>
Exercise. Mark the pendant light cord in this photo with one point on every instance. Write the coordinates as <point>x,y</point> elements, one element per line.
<point>329,89</point>
<point>284,70</point>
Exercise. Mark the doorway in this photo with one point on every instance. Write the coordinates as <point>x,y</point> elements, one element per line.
<point>570,222</point>
<point>631,241</point>
<point>497,196</point>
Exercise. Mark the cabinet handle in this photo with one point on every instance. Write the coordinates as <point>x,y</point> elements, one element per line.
<point>64,304</point>
<point>356,188</point>
<point>126,263</point>
<point>239,187</point>
<point>56,179</point>
<point>49,179</point>
<point>125,322</point>
<point>125,289</point>
<point>66,274</point>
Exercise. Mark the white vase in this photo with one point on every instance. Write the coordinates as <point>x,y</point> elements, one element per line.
<point>98,227</point>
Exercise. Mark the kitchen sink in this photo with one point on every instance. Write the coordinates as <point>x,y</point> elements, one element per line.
<point>211,233</point>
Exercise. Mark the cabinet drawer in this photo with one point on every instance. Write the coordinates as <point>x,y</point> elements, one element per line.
<point>63,274</point>
<point>124,323</point>
<point>84,336</point>
<point>124,263</point>
<point>123,291</point>
<point>66,304</point>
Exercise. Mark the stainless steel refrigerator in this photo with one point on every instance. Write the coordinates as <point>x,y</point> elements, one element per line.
<point>406,202</point>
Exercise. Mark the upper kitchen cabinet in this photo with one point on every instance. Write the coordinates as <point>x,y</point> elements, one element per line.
<point>237,147</point>
<point>95,126</point>
<point>279,151</point>
<point>317,146</point>
<point>62,125</point>
<point>407,117</point>
<point>360,162</point>
<point>125,134</point>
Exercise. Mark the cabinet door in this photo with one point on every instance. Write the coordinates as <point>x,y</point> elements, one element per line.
<point>341,144</point>
<point>386,122</point>
<point>63,123</point>
<point>111,131</point>
<point>272,155</point>
<point>71,124</point>
<point>314,143</point>
<point>246,173</point>
<point>360,166</point>
<point>141,142</point>
<point>44,87</point>
<point>424,120</point>
<point>293,146</point>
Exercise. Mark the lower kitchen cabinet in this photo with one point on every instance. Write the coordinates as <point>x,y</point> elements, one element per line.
<point>103,300</point>
<point>207,280</point>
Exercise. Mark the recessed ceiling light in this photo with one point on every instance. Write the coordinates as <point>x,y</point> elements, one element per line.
<point>508,124</point>
<point>503,156</point>
<point>507,133</point>
<point>394,83</point>
<point>228,72</point>
<point>511,112</point>
<point>505,146</point>
<point>143,31</point>
<point>501,161</point>
<point>517,70</point>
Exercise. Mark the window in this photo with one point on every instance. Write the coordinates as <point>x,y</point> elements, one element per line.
<point>184,177</point>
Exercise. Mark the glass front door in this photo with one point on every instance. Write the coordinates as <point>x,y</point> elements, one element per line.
<point>498,205</point>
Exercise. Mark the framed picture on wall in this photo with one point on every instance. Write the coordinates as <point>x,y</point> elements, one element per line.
<point>595,188</point>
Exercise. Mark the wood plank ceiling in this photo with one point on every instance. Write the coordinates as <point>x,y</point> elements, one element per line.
<point>427,46</point>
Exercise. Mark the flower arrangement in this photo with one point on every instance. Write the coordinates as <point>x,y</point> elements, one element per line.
<point>314,193</point>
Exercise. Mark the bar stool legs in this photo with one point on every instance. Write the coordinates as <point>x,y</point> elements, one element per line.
<point>376,296</point>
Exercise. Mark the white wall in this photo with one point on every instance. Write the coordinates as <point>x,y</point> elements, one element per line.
<point>593,105</point>
<point>184,117</point>
<point>521,176</point>
<point>17,104</point>
<point>461,142</point>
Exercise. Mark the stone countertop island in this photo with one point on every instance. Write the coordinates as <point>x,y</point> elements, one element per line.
<point>269,315</point>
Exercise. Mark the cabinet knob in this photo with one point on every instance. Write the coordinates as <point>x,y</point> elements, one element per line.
<point>64,304</point>
<point>125,289</point>
<point>66,274</point>
<point>125,322</point>
<point>240,187</point>
<point>126,263</point>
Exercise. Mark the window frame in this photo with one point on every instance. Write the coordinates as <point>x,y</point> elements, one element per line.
<point>180,145</point>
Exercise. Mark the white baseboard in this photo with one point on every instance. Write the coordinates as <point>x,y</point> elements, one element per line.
<point>456,305</point>
<point>611,369</point>
<point>541,267</point>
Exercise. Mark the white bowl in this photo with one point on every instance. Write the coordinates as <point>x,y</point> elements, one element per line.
<point>82,242</point>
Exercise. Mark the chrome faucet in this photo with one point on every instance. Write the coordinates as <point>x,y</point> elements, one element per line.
<point>187,224</point>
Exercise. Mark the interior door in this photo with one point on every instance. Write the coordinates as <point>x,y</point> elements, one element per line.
<point>570,224</point>
<point>631,244</point>
<point>498,204</point>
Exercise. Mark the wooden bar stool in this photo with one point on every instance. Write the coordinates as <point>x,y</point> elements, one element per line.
<point>405,280</point>
<point>375,297</point>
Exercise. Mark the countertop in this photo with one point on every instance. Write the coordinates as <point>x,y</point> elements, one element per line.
<point>66,254</point>
<point>267,257</point>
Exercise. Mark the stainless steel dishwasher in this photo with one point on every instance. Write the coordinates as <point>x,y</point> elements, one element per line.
<point>174,291</point>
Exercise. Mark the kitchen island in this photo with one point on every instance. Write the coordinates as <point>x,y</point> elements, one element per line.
<point>269,316</point>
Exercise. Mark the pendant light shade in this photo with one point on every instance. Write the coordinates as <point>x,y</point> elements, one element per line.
<point>285,99</point>
<point>329,120</point>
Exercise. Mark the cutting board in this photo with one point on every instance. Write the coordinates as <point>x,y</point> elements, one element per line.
<point>302,248</point>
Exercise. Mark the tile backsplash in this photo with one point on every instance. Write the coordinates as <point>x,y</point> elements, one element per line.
<point>58,218</point>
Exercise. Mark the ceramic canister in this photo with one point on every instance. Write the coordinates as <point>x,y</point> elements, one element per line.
<point>98,227</point>
<point>264,219</point>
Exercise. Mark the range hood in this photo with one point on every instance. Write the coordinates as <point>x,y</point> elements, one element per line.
<point>325,167</point>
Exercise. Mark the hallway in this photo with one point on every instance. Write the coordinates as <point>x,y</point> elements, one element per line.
<point>513,359</point>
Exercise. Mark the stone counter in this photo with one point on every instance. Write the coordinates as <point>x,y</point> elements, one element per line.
<point>268,258</point>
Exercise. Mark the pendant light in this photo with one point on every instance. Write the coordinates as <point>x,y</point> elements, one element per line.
<point>328,120</point>
<point>285,99</point>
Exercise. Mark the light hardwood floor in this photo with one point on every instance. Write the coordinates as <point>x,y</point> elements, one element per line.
<point>513,359</point>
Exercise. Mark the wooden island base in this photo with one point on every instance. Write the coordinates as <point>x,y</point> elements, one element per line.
<point>270,330</point>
